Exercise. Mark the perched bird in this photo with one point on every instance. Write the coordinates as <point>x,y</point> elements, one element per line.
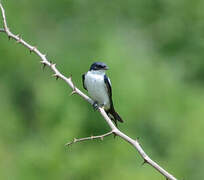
<point>99,88</point>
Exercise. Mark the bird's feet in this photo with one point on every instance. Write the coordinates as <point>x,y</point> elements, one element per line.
<point>95,106</point>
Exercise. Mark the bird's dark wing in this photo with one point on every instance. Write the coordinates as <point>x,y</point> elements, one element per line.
<point>83,78</point>
<point>108,86</point>
<point>114,115</point>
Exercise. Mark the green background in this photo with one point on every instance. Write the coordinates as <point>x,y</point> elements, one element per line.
<point>154,50</point>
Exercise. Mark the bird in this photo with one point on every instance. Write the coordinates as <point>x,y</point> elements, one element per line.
<point>98,85</point>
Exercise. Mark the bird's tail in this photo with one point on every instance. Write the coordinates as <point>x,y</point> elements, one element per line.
<point>114,116</point>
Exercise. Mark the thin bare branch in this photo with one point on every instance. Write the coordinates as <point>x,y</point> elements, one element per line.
<point>114,129</point>
<point>101,137</point>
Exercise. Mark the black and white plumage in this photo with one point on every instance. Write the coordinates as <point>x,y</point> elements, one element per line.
<point>99,88</point>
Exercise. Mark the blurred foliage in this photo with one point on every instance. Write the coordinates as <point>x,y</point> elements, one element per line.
<point>155,53</point>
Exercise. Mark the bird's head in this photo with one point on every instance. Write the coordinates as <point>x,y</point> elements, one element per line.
<point>97,66</point>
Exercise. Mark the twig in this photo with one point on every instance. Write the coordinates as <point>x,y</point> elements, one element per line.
<point>44,61</point>
<point>89,138</point>
<point>57,74</point>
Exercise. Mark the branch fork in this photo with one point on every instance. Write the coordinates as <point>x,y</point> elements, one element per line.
<point>68,81</point>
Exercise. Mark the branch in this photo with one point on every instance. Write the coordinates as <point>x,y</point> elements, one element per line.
<point>89,138</point>
<point>68,81</point>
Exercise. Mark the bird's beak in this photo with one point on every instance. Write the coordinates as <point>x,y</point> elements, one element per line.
<point>106,68</point>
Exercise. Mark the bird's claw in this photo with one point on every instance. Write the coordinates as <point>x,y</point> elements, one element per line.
<point>95,106</point>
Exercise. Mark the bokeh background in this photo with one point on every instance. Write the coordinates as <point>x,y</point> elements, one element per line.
<point>155,52</point>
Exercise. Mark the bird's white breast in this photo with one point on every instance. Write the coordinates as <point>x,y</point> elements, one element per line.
<point>94,82</point>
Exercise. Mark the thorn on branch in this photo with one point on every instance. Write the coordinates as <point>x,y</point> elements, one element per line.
<point>74,88</point>
<point>19,38</point>
<point>44,57</point>
<point>56,76</point>
<point>44,64</point>
<point>144,162</point>
<point>137,140</point>
<point>70,77</point>
<point>53,64</point>
<point>114,135</point>
<point>73,92</point>
<point>33,49</point>
<point>9,37</point>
